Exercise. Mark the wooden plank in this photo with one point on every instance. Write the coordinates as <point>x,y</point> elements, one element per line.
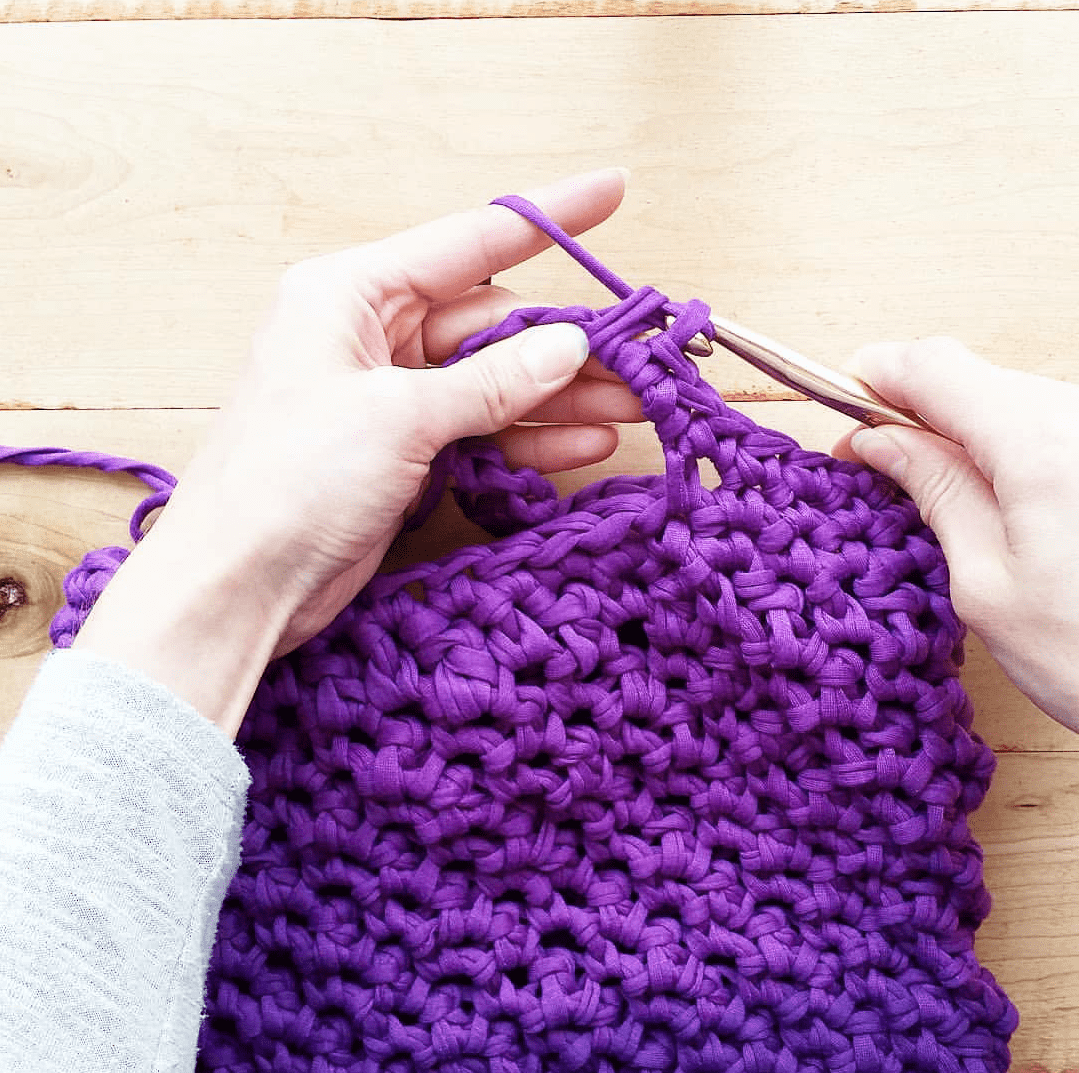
<point>1029,831</point>
<point>829,181</point>
<point>154,179</point>
<point>85,10</point>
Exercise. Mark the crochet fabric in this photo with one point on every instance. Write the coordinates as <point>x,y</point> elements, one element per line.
<point>675,775</point>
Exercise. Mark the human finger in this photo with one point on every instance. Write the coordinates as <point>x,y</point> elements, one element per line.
<point>588,401</point>
<point>448,256</point>
<point>953,497</point>
<point>495,387</point>
<point>958,393</point>
<point>595,369</point>
<point>555,448</point>
<point>449,324</point>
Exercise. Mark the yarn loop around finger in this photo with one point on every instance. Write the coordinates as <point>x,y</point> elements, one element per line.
<point>644,339</point>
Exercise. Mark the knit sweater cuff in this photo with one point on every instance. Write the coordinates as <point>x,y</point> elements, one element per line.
<point>120,817</point>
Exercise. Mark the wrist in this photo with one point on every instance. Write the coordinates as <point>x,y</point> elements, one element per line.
<point>199,619</point>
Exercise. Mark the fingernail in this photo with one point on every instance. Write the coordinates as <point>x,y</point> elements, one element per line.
<point>624,172</point>
<point>881,451</point>
<point>554,352</point>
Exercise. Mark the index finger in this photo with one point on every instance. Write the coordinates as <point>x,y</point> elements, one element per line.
<point>963,396</point>
<point>446,257</point>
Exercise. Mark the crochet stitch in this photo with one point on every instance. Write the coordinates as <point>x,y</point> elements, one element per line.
<point>674,775</point>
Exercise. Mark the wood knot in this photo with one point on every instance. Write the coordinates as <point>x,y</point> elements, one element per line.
<point>12,595</point>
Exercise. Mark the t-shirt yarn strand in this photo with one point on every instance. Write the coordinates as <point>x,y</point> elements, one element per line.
<point>673,775</point>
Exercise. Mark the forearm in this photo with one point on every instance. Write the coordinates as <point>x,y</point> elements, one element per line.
<point>120,820</point>
<point>198,617</point>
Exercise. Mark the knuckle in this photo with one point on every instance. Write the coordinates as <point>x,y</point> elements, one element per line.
<point>495,395</point>
<point>929,355</point>
<point>940,489</point>
<point>936,346</point>
<point>315,275</point>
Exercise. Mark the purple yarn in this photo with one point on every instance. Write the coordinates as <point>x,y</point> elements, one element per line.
<point>160,481</point>
<point>675,775</point>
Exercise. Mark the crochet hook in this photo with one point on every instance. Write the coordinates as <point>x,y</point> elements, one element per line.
<point>840,391</point>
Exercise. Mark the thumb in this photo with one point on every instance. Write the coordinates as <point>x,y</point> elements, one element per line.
<point>953,496</point>
<point>950,479</point>
<point>500,384</point>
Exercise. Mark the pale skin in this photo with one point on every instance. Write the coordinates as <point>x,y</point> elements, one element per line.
<point>288,509</point>
<point>306,478</point>
<point>1002,494</point>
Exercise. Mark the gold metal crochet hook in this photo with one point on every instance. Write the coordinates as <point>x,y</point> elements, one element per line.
<point>841,392</point>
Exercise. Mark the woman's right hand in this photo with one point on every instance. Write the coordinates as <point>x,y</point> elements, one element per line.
<point>1001,493</point>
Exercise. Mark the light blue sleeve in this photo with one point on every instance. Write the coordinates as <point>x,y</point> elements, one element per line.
<point>121,810</point>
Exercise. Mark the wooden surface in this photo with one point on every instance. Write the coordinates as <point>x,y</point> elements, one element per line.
<point>829,180</point>
<point>87,10</point>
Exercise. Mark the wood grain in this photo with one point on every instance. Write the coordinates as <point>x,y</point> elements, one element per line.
<point>50,518</point>
<point>80,10</point>
<point>1029,830</point>
<point>829,181</point>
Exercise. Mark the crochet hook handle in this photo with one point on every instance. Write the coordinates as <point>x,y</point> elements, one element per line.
<point>834,389</point>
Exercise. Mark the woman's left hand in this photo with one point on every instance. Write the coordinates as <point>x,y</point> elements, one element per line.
<point>305,480</point>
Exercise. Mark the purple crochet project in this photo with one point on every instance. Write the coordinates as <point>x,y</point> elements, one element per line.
<point>673,775</point>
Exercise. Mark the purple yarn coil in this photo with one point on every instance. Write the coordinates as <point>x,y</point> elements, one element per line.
<point>674,775</point>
